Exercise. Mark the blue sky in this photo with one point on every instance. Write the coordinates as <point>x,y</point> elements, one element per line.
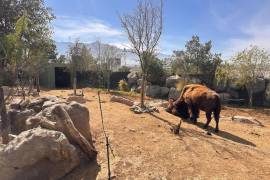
<point>231,24</point>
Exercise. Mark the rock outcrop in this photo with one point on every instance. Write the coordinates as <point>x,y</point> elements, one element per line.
<point>49,137</point>
<point>38,154</point>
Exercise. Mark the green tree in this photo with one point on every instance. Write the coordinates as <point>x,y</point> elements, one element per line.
<point>197,58</point>
<point>155,71</point>
<point>60,60</point>
<point>24,33</point>
<point>249,65</point>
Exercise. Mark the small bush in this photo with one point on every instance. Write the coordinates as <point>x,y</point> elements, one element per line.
<point>123,85</point>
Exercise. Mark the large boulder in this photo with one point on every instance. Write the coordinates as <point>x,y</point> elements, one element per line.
<point>224,97</point>
<point>259,86</point>
<point>193,80</point>
<point>80,116</point>
<point>78,113</point>
<point>132,78</point>
<point>6,90</point>
<point>153,91</point>
<point>139,82</point>
<point>18,119</point>
<point>267,94</point>
<point>233,93</point>
<point>38,154</point>
<point>164,91</point>
<point>174,93</point>
<point>172,81</point>
<point>233,85</point>
<point>37,103</point>
<point>16,104</point>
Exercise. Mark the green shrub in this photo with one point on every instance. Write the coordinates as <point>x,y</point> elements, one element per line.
<point>155,72</point>
<point>123,85</point>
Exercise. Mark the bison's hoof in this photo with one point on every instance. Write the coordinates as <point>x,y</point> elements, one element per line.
<point>216,130</point>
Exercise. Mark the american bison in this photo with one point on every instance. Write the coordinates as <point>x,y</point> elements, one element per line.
<point>193,98</point>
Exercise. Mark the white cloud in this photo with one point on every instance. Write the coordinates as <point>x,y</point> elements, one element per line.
<point>87,30</point>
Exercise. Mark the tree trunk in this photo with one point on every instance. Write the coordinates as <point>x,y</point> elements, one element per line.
<point>142,90</point>
<point>4,118</point>
<point>108,81</point>
<point>250,95</point>
<point>37,83</point>
<point>74,84</point>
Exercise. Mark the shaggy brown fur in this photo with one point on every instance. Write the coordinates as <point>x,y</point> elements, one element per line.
<point>195,97</point>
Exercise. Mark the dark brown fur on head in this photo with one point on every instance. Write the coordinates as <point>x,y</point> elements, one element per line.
<point>178,108</point>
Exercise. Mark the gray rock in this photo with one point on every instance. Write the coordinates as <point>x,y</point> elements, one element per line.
<point>194,80</point>
<point>24,103</point>
<point>246,120</point>
<point>37,103</point>
<point>259,86</point>
<point>6,90</point>
<point>78,113</point>
<point>164,91</point>
<point>38,154</point>
<point>153,91</point>
<point>174,93</point>
<point>219,87</point>
<point>18,119</point>
<point>51,103</point>
<point>15,104</point>
<point>172,81</point>
<point>233,85</point>
<point>80,116</point>
<point>133,88</point>
<point>132,78</point>
<point>139,82</point>
<point>233,93</point>
<point>267,93</point>
<point>224,97</point>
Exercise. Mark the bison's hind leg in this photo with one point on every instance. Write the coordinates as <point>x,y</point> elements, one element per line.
<point>216,116</point>
<point>208,117</point>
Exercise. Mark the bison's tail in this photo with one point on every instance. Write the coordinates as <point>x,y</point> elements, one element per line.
<point>217,108</point>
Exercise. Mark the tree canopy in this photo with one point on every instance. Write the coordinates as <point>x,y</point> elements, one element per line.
<point>197,58</point>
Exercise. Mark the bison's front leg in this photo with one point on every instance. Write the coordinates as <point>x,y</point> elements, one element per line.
<point>194,112</point>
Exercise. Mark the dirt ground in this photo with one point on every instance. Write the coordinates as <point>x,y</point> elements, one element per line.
<point>145,148</point>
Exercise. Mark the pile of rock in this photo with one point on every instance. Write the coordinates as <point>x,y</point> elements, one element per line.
<point>152,90</point>
<point>50,137</point>
<point>233,91</point>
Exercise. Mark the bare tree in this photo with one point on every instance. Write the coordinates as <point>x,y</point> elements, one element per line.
<point>80,60</point>
<point>144,28</point>
<point>111,58</point>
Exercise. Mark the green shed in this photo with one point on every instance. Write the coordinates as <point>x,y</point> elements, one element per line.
<point>55,76</point>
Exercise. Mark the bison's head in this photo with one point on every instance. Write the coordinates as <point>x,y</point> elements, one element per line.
<point>180,109</point>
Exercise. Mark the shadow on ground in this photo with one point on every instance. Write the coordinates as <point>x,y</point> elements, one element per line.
<point>87,170</point>
<point>223,134</point>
